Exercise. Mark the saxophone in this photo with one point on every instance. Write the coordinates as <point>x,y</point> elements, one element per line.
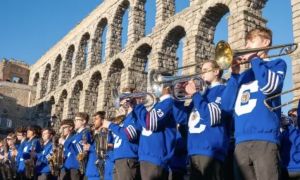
<point>6,163</point>
<point>82,156</point>
<point>56,159</point>
<point>101,150</point>
<point>30,164</point>
<point>13,164</point>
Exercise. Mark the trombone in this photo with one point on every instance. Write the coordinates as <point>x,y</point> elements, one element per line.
<point>224,55</point>
<point>266,101</point>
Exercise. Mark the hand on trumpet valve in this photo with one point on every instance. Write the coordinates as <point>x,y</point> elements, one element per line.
<point>61,141</point>
<point>125,102</point>
<point>190,88</point>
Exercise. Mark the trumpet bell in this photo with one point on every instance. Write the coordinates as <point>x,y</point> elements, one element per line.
<point>223,55</point>
<point>157,81</point>
<point>179,87</point>
<point>147,98</point>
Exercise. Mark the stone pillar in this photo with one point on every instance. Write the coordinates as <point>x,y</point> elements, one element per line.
<point>136,22</point>
<point>164,10</point>
<point>247,16</point>
<point>296,55</point>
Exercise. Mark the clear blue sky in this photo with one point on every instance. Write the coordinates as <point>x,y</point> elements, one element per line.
<point>29,28</point>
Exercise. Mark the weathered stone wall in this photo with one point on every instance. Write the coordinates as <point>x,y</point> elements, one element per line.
<point>81,80</point>
<point>13,68</point>
<point>296,55</point>
<point>14,102</point>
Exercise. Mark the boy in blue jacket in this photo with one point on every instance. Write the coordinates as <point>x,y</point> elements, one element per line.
<point>18,152</point>
<point>126,141</point>
<point>256,127</point>
<point>70,166</point>
<point>95,164</point>
<point>158,136</point>
<point>30,151</point>
<point>82,136</point>
<point>42,164</point>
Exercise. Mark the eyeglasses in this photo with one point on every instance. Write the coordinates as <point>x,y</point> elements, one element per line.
<point>78,119</point>
<point>65,127</point>
<point>207,70</point>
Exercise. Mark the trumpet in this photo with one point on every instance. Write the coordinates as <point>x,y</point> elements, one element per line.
<point>149,99</point>
<point>224,55</point>
<point>157,81</point>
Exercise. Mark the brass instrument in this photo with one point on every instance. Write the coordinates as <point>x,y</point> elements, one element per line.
<point>224,55</point>
<point>30,164</point>
<point>118,119</point>
<point>82,157</point>
<point>157,81</point>
<point>6,166</point>
<point>56,159</point>
<point>101,150</point>
<point>149,99</point>
<point>266,101</point>
<point>13,163</point>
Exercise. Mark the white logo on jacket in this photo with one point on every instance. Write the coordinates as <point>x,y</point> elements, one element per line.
<point>160,113</point>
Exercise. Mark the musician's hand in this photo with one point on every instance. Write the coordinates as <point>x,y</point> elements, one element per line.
<point>105,123</point>
<point>190,88</point>
<point>236,67</point>
<point>14,153</point>
<point>247,57</point>
<point>1,156</point>
<point>61,141</point>
<point>125,103</point>
<point>33,154</point>
<point>121,111</point>
<point>86,147</point>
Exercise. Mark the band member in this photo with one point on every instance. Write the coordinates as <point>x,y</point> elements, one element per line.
<point>126,141</point>
<point>82,136</point>
<point>70,166</point>
<point>289,147</point>
<point>12,166</point>
<point>256,127</point>
<point>95,162</point>
<point>158,136</point>
<point>18,153</point>
<point>31,148</point>
<point>42,164</point>
<point>207,136</point>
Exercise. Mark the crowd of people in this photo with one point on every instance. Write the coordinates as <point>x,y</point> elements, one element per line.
<point>226,132</point>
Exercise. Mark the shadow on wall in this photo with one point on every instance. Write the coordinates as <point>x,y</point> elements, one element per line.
<point>13,115</point>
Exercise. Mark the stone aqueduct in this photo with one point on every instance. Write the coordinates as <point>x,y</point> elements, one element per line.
<point>74,80</point>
